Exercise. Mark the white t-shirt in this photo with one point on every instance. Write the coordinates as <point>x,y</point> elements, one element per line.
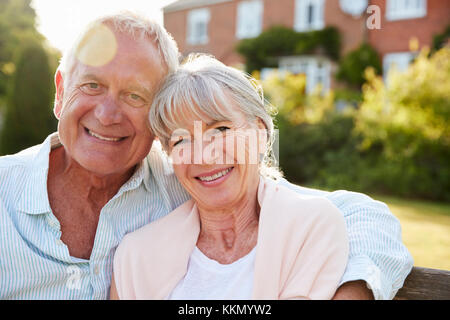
<point>207,279</point>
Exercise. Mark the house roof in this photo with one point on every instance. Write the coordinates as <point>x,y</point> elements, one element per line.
<point>189,4</point>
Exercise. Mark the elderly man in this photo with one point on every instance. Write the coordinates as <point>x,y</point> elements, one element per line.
<point>66,204</point>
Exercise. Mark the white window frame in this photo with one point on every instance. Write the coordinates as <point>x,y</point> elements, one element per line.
<point>405,9</point>
<point>309,15</point>
<point>398,60</point>
<point>249,19</point>
<point>195,19</point>
<point>312,66</point>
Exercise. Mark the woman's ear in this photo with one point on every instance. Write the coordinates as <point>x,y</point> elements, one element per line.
<point>59,84</point>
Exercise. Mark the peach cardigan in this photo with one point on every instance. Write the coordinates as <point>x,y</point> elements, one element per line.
<point>301,253</point>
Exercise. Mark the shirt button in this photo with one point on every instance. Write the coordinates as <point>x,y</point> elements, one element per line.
<point>96,270</point>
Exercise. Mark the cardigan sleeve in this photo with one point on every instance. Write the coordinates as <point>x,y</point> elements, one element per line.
<point>322,257</point>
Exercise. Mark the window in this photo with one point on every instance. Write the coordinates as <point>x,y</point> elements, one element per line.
<point>354,7</point>
<point>309,15</point>
<point>398,60</point>
<point>316,69</point>
<point>197,28</point>
<point>405,9</point>
<point>249,19</point>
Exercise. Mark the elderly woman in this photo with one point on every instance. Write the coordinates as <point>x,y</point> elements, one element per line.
<point>241,236</point>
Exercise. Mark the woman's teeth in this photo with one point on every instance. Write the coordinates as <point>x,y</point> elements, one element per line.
<point>96,135</point>
<point>215,176</point>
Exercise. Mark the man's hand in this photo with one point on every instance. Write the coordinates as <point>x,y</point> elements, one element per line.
<point>353,290</point>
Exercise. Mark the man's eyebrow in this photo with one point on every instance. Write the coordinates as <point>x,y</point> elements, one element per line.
<point>133,87</point>
<point>141,88</point>
<point>90,76</point>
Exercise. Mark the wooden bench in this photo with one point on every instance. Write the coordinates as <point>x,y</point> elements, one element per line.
<point>425,284</point>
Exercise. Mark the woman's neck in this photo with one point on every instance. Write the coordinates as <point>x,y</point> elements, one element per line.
<point>229,234</point>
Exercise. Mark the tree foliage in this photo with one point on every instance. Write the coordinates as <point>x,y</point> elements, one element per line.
<point>263,51</point>
<point>17,26</point>
<point>397,141</point>
<point>28,118</point>
<point>353,65</point>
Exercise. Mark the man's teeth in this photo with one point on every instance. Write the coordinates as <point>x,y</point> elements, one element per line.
<point>215,176</point>
<point>101,137</point>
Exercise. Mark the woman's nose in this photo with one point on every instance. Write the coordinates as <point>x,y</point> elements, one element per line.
<point>213,152</point>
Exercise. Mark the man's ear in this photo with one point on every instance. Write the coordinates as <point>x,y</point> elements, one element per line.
<point>59,85</point>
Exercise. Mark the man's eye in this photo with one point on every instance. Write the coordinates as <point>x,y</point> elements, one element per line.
<point>135,100</point>
<point>91,88</point>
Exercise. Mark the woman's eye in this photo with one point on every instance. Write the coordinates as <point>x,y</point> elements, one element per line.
<point>181,141</point>
<point>178,142</point>
<point>222,128</point>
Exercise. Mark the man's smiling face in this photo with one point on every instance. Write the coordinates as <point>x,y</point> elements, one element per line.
<point>103,106</point>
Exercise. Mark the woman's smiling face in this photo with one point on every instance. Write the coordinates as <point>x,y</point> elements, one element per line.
<point>217,161</point>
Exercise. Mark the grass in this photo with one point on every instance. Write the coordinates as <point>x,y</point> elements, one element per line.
<point>425,230</point>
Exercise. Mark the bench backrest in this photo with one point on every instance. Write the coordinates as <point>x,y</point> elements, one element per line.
<point>425,284</point>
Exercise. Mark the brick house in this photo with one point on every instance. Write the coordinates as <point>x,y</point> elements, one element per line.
<point>216,26</point>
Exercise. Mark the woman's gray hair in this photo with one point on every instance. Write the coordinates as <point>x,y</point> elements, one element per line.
<point>138,27</point>
<point>203,85</point>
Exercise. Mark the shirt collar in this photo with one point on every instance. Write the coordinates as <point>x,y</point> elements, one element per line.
<point>140,175</point>
<point>34,198</point>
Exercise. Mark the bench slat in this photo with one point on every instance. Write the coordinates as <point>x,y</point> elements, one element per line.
<point>425,284</point>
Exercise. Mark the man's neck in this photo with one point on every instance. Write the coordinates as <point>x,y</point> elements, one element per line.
<point>67,174</point>
<point>77,197</point>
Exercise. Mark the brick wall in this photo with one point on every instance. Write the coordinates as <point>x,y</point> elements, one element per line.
<point>351,28</point>
<point>222,26</point>
<point>394,36</point>
<point>221,32</point>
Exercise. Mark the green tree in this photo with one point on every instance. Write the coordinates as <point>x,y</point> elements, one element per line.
<point>28,117</point>
<point>352,66</point>
<point>264,50</point>
<point>17,26</point>
<point>408,122</point>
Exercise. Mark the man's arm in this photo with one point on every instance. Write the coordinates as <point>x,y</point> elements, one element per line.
<point>377,258</point>
<point>353,290</point>
<point>113,295</point>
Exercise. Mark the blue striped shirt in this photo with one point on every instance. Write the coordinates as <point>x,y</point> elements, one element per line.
<point>36,264</point>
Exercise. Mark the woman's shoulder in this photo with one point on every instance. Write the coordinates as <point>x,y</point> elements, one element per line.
<point>300,206</point>
<point>156,232</point>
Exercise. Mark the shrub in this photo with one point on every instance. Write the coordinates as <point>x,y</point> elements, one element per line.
<point>263,51</point>
<point>410,120</point>
<point>352,66</point>
<point>396,142</point>
<point>439,40</point>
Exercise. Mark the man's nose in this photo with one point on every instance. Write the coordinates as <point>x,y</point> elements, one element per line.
<point>108,112</point>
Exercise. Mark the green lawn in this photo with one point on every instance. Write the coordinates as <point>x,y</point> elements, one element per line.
<point>425,230</point>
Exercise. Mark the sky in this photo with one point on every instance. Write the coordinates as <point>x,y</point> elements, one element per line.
<point>61,20</point>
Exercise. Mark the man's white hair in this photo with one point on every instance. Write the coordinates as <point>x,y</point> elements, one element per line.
<point>138,27</point>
